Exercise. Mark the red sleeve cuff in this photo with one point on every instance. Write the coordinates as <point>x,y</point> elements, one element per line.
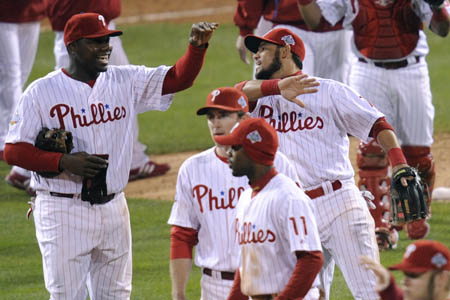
<point>182,240</point>
<point>392,292</point>
<point>243,31</point>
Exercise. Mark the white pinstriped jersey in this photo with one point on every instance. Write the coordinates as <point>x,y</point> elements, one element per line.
<point>269,228</point>
<point>334,10</point>
<point>100,118</point>
<point>206,196</point>
<point>315,138</point>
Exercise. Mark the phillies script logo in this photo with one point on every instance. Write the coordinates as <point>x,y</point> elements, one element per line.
<point>99,113</point>
<point>250,235</point>
<point>201,191</point>
<point>289,121</point>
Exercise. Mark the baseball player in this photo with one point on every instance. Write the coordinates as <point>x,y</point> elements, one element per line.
<point>391,71</point>
<point>315,139</point>
<point>204,213</point>
<point>90,242</point>
<point>426,267</point>
<point>19,35</point>
<point>280,252</point>
<point>59,11</point>
<point>328,53</point>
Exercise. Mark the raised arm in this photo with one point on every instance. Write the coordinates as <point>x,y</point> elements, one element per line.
<point>182,75</point>
<point>289,88</point>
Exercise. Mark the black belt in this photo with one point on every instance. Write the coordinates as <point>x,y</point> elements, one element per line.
<point>224,275</point>
<point>390,65</point>
<point>99,200</point>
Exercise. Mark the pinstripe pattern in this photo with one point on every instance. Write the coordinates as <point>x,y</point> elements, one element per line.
<point>118,57</point>
<point>217,248</point>
<point>18,45</point>
<point>320,153</point>
<point>131,89</point>
<point>347,231</point>
<point>268,237</point>
<point>77,239</point>
<point>79,242</point>
<point>404,95</point>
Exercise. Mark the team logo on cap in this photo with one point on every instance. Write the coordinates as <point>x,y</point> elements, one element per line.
<point>254,137</point>
<point>214,94</point>
<point>439,260</point>
<point>241,101</point>
<point>102,19</point>
<point>288,39</point>
<point>410,249</point>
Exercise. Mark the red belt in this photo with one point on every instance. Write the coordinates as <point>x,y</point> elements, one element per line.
<point>224,275</point>
<point>319,192</point>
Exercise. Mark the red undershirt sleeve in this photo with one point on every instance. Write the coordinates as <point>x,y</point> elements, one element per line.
<point>182,240</point>
<point>182,75</point>
<point>235,292</point>
<point>379,125</point>
<point>305,271</point>
<point>29,157</point>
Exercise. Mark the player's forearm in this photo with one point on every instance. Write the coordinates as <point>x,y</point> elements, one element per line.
<point>182,75</point>
<point>440,21</point>
<point>247,15</point>
<point>31,158</point>
<point>305,271</point>
<point>388,141</point>
<point>179,274</point>
<point>255,89</point>
<point>311,13</point>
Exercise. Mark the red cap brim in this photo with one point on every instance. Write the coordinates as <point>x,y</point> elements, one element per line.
<point>406,267</point>
<point>252,42</point>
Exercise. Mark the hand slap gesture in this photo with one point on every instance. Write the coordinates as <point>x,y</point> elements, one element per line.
<point>201,33</point>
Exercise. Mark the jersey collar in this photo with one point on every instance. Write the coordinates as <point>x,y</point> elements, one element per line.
<point>90,82</point>
<point>263,181</point>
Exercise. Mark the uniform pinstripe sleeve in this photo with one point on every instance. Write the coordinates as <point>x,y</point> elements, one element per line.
<point>26,121</point>
<point>183,211</point>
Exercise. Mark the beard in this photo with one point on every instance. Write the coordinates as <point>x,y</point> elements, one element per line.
<point>271,69</point>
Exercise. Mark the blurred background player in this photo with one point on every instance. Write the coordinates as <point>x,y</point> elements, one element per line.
<point>426,267</point>
<point>328,53</point>
<point>280,251</point>
<point>19,36</point>
<point>58,12</point>
<point>204,213</point>
<point>392,72</point>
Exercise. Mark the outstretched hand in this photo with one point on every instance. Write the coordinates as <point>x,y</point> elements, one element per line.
<point>82,164</point>
<point>381,273</point>
<point>293,86</point>
<point>201,33</point>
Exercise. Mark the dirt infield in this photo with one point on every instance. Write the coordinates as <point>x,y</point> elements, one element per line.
<point>164,187</point>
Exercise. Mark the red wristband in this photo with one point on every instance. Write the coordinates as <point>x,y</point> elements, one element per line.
<point>396,157</point>
<point>304,2</point>
<point>270,87</point>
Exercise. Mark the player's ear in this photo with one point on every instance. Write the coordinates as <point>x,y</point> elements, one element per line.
<point>285,51</point>
<point>71,48</point>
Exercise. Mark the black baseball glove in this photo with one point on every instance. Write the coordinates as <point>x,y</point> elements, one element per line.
<point>53,140</point>
<point>434,3</point>
<point>407,203</point>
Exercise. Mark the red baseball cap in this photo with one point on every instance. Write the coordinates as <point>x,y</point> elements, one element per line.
<point>423,256</point>
<point>87,25</point>
<point>278,36</point>
<point>258,138</point>
<point>226,98</point>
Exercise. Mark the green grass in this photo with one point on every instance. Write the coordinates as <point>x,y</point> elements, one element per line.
<point>176,130</point>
